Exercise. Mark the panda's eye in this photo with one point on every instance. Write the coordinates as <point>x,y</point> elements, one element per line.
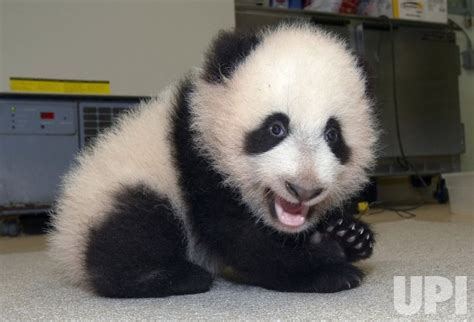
<point>331,135</point>
<point>273,130</point>
<point>277,129</point>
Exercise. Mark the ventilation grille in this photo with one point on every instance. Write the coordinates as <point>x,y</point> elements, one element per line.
<point>96,119</point>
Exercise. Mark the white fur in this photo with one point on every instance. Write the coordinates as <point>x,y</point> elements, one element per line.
<point>310,76</point>
<point>297,70</point>
<point>136,151</point>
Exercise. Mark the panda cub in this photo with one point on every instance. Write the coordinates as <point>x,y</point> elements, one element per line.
<point>245,165</point>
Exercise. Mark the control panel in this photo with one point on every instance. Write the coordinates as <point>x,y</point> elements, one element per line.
<point>48,118</point>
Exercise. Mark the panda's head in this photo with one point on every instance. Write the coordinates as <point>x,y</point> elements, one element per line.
<point>284,115</point>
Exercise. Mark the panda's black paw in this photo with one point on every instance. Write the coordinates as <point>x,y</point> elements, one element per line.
<point>355,237</point>
<point>327,278</point>
<point>335,278</point>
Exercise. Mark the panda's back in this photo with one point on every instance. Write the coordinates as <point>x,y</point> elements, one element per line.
<point>136,152</point>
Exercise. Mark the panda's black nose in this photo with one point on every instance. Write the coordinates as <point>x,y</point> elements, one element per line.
<point>301,193</point>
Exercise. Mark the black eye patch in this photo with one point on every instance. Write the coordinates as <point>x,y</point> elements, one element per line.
<point>335,140</point>
<point>269,134</point>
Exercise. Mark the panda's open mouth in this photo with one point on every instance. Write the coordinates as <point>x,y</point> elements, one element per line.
<point>291,215</point>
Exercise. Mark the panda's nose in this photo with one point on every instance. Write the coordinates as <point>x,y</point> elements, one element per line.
<point>301,193</point>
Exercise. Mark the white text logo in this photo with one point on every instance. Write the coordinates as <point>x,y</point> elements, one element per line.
<point>430,290</point>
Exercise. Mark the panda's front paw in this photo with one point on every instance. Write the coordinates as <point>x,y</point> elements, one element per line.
<point>335,278</point>
<point>355,237</point>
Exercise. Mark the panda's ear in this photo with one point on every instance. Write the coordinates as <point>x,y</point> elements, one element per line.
<point>226,52</point>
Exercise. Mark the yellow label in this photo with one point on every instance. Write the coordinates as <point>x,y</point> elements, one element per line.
<point>396,10</point>
<point>43,85</point>
<point>363,206</point>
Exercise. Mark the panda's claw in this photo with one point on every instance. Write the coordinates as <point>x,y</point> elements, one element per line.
<point>351,239</point>
<point>341,233</point>
<point>354,236</point>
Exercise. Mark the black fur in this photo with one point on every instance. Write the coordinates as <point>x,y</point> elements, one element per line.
<point>228,50</point>
<point>356,237</point>
<point>259,254</point>
<point>338,147</point>
<point>261,139</point>
<point>139,251</point>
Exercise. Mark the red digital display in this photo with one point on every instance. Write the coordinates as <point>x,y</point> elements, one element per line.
<point>47,115</point>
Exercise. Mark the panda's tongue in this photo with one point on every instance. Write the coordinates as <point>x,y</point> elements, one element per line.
<point>290,214</point>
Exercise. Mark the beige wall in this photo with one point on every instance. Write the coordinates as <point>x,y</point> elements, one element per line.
<point>466,95</point>
<point>140,46</point>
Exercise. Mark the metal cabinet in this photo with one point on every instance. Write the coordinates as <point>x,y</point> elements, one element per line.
<point>39,138</point>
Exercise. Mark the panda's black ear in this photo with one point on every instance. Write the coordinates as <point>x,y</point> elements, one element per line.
<point>227,51</point>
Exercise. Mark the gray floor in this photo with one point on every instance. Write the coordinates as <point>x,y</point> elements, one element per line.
<point>29,289</point>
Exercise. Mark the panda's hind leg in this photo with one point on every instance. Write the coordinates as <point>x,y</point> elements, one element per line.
<point>140,250</point>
